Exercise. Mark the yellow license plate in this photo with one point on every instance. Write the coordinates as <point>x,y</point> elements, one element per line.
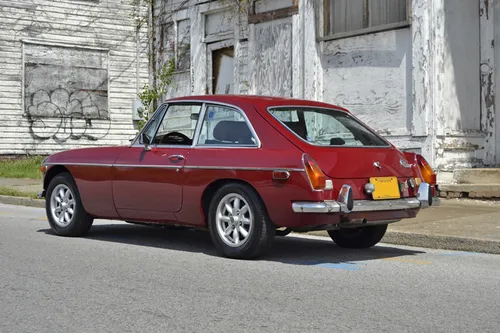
<point>385,188</point>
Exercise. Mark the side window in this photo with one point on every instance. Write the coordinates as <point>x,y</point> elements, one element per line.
<point>286,116</point>
<point>225,126</point>
<point>178,125</point>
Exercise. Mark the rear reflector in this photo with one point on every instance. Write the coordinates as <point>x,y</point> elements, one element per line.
<point>281,174</point>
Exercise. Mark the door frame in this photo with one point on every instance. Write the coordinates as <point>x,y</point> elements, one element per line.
<point>209,69</point>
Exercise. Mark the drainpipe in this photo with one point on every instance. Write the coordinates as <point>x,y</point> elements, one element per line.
<point>151,41</point>
<point>302,6</point>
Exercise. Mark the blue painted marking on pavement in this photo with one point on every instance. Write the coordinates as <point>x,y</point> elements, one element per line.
<point>349,266</point>
<point>456,254</point>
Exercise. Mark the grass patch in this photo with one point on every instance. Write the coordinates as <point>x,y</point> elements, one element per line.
<point>28,167</point>
<point>16,193</point>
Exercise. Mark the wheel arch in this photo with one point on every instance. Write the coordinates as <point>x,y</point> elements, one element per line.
<point>52,172</point>
<point>212,188</point>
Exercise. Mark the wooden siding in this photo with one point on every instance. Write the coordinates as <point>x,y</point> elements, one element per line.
<point>83,59</point>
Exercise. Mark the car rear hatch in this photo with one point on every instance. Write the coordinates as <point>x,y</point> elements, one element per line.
<point>346,150</point>
<point>356,163</point>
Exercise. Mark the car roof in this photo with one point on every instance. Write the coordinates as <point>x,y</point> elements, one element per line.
<point>262,102</point>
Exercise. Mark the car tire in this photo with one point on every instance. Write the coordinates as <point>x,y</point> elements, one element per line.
<point>238,222</point>
<point>64,208</point>
<point>358,238</point>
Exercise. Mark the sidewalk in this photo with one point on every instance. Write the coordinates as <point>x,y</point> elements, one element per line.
<point>23,185</point>
<point>457,224</point>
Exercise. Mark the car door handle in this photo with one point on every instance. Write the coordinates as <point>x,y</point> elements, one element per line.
<point>174,158</point>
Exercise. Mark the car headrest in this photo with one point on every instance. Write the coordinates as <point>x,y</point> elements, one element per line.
<point>298,128</point>
<point>233,131</point>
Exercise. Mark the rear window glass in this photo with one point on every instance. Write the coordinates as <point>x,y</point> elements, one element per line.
<point>327,127</point>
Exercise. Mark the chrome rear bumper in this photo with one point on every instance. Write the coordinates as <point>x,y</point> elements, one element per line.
<point>424,199</point>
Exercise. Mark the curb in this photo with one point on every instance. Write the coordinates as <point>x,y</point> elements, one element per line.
<point>436,242</point>
<point>442,242</point>
<point>22,201</point>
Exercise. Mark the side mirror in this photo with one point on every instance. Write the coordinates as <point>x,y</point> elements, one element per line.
<point>145,141</point>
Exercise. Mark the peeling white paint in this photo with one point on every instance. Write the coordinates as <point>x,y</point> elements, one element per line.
<point>368,75</point>
<point>429,87</point>
<point>495,127</point>
<point>93,45</point>
<point>488,85</point>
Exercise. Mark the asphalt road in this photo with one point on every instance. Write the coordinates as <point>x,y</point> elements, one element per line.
<point>126,278</point>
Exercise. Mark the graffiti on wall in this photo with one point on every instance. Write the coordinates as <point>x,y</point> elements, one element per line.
<point>61,115</point>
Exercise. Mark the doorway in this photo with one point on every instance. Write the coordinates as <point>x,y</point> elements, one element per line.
<point>223,71</point>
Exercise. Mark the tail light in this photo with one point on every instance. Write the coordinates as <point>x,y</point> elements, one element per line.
<point>428,175</point>
<point>316,176</point>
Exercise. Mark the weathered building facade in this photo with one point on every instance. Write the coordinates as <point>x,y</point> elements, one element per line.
<point>422,72</point>
<point>69,72</point>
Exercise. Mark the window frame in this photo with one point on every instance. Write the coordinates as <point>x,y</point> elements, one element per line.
<point>388,146</point>
<point>246,120</point>
<point>204,106</point>
<point>324,23</point>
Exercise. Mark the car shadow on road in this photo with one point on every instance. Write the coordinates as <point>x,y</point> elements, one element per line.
<point>288,250</point>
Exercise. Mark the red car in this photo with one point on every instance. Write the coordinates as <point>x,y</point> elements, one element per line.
<point>247,168</point>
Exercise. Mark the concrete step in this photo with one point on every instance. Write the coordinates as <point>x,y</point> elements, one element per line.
<point>477,191</point>
<point>477,176</point>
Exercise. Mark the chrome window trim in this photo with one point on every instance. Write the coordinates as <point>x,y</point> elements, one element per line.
<point>205,104</point>
<point>389,145</point>
<point>226,146</point>
<point>247,121</point>
<point>199,124</point>
<point>168,105</point>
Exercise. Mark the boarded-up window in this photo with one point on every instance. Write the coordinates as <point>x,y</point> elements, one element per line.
<point>219,25</point>
<point>343,16</point>
<point>66,92</point>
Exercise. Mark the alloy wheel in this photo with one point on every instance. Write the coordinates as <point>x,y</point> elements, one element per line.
<point>234,220</point>
<point>62,205</point>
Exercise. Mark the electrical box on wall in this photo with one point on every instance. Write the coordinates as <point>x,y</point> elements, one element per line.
<point>136,106</point>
